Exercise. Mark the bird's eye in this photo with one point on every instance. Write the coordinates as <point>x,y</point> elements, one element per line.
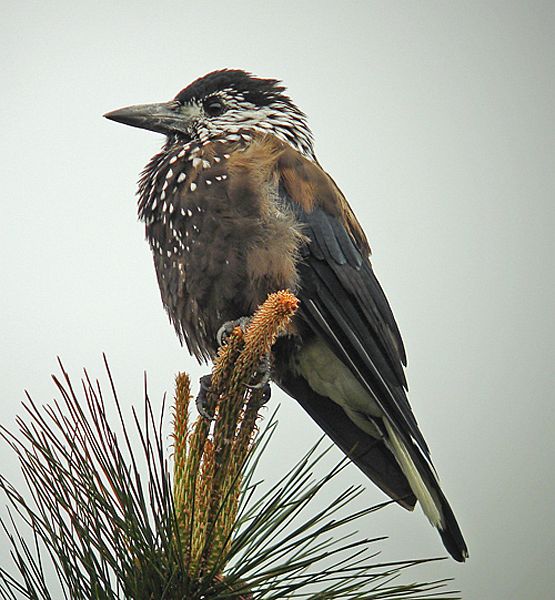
<point>213,107</point>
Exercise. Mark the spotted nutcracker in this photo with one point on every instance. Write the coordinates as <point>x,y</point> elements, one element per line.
<point>237,206</point>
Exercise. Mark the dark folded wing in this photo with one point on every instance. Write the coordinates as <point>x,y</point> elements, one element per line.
<point>344,304</point>
<point>371,455</point>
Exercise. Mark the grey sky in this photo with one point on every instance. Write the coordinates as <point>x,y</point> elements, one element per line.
<point>437,121</point>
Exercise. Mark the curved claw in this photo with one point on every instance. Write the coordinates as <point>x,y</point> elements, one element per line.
<point>266,395</point>
<point>201,401</point>
<point>260,384</point>
<point>228,327</point>
<point>266,391</point>
<point>265,373</point>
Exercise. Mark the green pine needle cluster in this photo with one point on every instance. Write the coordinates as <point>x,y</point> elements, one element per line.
<point>107,514</point>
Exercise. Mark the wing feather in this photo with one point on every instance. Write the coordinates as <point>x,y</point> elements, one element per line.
<point>344,305</point>
<point>343,302</point>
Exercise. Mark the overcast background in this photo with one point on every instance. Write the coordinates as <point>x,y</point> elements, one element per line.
<point>437,121</point>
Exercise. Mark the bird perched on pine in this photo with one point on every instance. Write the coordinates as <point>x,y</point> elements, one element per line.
<point>236,206</point>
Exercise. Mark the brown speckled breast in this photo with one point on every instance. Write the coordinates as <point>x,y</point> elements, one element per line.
<point>221,241</point>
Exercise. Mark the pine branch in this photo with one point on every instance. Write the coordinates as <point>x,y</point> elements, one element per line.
<point>104,507</point>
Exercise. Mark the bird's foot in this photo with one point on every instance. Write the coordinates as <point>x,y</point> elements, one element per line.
<point>205,410</point>
<point>225,330</point>
<point>262,374</point>
<point>266,394</point>
<point>261,379</point>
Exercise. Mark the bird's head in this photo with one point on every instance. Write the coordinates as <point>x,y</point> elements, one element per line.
<point>220,106</point>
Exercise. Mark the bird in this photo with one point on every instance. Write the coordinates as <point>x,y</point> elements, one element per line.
<point>236,206</point>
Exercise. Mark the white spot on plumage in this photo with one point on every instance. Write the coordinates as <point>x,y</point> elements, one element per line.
<point>224,176</point>
<point>165,185</point>
<point>217,159</point>
<point>183,211</point>
<point>226,156</point>
<point>196,162</point>
<point>172,160</point>
<point>205,164</point>
<point>164,207</point>
<point>162,195</point>
<point>169,174</point>
<point>181,177</point>
<point>181,154</point>
<point>218,177</point>
<point>193,186</point>
<point>233,137</point>
<point>171,209</point>
<point>208,182</point>
<point>189,212</point>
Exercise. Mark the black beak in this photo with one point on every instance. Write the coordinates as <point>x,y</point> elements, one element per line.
<point>163,117</point>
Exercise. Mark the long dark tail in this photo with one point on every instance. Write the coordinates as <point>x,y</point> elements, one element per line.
<point>401,472</point>
<point>425,485</point>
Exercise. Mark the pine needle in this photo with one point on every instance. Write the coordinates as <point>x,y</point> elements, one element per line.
<point>107,515</point>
